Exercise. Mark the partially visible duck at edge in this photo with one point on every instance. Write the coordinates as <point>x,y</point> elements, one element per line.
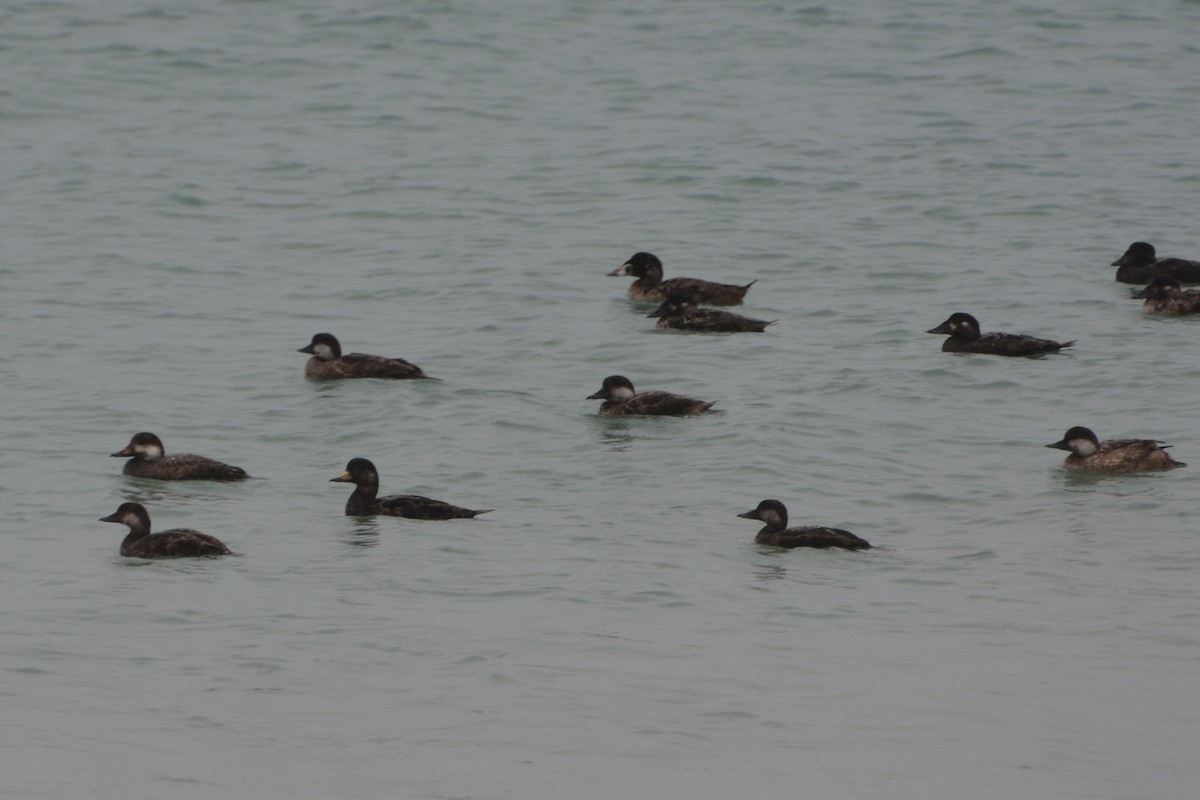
<point>175,543</point>
<point>363,502</point>
<point>620,399</point>
<point>1089,454</point>
<point>776,533</point>
<point>964,337</point>
<point>328,363</point>
<point>1140,264</point>
<point>651,288</point>
<point>148,459</point>
<point>1165,296</point>
<point>679,312</point>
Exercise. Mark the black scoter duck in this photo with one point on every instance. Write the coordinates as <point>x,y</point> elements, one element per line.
<point>776,533</point>
<point>679,312</point>
<point>328,363</point>
<point>1089,454</point>
<point>620,399</point>
<point>175,543</point>
<point>147,459</point>
<point>1140,264</point>
<point>651,288</point>
<point>963,330</point>
<point>363,501</point>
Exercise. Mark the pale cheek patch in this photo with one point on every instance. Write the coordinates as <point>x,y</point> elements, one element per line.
<point>323,352</point>
<point>149,451</point>
<point>621,393</point>
<point>1082,447</point>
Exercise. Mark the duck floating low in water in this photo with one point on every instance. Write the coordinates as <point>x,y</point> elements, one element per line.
<point>363,502</point>
<point>175,543</point>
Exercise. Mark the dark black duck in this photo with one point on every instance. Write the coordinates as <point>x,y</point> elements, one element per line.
<point>1140,264</point>
<point>776,533</point>
<point>963,330</point>
<point>363,502</point>
<point>679,312</point>
<point>651,288</point>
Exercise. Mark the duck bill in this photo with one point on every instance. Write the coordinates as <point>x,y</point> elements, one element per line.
<point>122,453</point>
<point>600,395</point>
<point>661,311</point>
<point>749,514</point>
<point>110,518</point>
<point>1060,445</point>
<point>308,350</point>
<point>1143,294</point>
<point>621,270</point>
<point>943,328</point>
<point>343,478</point>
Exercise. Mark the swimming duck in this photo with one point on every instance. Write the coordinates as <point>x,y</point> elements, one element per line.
<point>363,501</point>
<point>175,543</point>
<point>147,459</point>
<point>1140,264</point>
<point>963,330</point>
<point>651,287</point>
<point>620,399</point>
<point>776,533</point>
<point>1165,296</point>
<point>679,311</point>
<point>1089,454</point>
<point>328,363</point>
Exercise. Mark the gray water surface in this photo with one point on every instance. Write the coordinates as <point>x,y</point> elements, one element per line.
<point>192,190</point>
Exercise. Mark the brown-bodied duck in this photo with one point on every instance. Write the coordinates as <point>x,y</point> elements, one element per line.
<point>328,363</point>
<point>1165,296</point>
<point>776,533</point>
<point>965,337</point>
<point>620,399</point>
<point>1089,454</point>
<point>175,543</point>
<point>363,501</point>
<point>148,459</point>
<point>651,288</point>
<point>679,312</point>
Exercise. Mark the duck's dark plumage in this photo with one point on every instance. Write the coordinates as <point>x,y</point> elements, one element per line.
<point>1165,296</point>
<point>1140,264</point>
<point>1089,454</point>
<point>651,288</point>
<point>964,337</point>
<point>679,312</point>
<point>776,533</point>
<point>620,399</point>
<point>328,363</point>
<point>148,459</point>
<point>175,543</point>
<point>363,502</point>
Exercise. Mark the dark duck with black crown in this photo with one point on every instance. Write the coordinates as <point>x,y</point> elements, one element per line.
<point>1089,454</point>
<point>776,533</point>
<point>1165,296</point>
<point>620,399</point>
<point>175,543</point>
<point>1141,264</point>
<point>328,363</point>
<point>679,312</point>
<point>651,288</point>
<point>363,502</point>
<point>963,330</point>
<point>148,459</point>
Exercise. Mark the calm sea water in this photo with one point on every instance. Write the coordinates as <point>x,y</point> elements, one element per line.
<point>192,189</point>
